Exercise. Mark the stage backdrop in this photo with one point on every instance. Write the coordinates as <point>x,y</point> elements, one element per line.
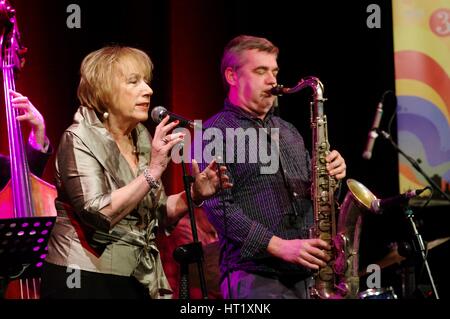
<point>422,62</point>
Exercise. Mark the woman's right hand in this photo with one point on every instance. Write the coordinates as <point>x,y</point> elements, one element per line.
<point>161,146</point>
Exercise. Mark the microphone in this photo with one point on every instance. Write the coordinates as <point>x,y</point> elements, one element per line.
<point>373,134</point>
<point>160,112</point>
<point>378,205</point>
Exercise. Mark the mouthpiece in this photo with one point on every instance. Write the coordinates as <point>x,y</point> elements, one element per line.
<point>277,90</point>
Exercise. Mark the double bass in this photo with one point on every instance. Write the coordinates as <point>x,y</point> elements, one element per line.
<point>26,203</point>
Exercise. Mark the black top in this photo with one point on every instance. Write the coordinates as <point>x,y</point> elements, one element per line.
<point>261,203</point>
<point>36,162</point>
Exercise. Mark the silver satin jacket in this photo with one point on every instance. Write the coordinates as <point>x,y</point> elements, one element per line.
<point>89,167</point>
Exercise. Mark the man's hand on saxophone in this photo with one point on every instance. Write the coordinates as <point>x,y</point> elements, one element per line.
<point>306,252</point>
<point>336,165</point>
<point>309,252</point>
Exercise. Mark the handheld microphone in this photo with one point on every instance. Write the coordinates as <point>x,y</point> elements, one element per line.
<point>378,205</point>
<point>373,134</point>
<point>160,112</point>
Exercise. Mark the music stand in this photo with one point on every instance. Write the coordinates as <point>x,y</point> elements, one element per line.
<point>23,246</point>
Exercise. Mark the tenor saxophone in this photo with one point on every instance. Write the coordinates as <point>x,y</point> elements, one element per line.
<point>339,278</point>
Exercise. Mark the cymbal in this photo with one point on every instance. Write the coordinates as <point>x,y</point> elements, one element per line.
<point>419,202</point>
<point>437,242</point>
<point>393,257</point>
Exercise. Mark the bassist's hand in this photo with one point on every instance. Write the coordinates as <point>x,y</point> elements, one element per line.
<point>29,114</point>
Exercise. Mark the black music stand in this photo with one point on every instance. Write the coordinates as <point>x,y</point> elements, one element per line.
<point>23,247</point>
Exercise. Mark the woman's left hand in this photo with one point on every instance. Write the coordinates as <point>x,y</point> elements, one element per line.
<point>206,183</point>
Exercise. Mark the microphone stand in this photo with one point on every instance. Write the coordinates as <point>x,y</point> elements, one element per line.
<point>410,215</point>
<point>414,163</point>
<point>193,252</point>
<point>408,211</point>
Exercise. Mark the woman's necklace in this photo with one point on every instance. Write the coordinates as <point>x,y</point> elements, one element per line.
<point>133,144</point>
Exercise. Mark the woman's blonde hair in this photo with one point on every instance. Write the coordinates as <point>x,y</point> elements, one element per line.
<point>98,73</point>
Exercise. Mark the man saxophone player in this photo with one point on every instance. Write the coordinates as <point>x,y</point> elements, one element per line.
<point>263,221</point>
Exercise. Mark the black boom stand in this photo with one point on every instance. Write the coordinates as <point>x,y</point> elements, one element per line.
<point>193,252</point>
<point>423,250</point>
<point>408,211</point>
<point>414,164</point>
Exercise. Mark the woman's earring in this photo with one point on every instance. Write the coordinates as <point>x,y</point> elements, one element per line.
<point>105,115</point>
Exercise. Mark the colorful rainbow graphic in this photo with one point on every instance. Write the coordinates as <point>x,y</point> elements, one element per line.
<point>422,62</point>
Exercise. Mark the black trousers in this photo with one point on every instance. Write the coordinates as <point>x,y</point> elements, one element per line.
<point>244,285</point>
<point>60,283</point>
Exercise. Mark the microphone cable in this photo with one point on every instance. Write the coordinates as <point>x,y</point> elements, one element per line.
<point>394,113</point>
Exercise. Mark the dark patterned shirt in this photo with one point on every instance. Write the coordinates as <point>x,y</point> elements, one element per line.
<point>36,162</point>
<point>260,206</point>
